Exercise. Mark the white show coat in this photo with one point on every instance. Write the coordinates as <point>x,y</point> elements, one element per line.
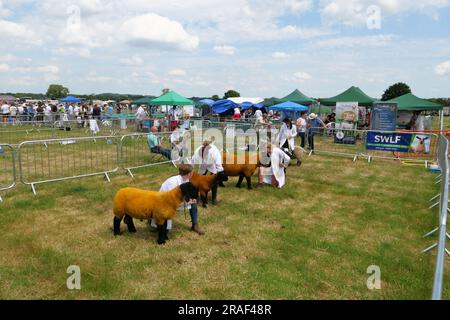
<point>289,135</point>
<point>279,161</point>
<point>211,160</point>
<point>167,186</point>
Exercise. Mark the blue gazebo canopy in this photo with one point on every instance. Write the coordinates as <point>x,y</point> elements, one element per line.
<point>223,106</point>
<point>248,105</point>
<point>208,102</point>
<point>289,106</point>
<point>70,99</point>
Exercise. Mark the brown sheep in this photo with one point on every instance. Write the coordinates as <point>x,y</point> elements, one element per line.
<point>140,204</point>
<point>205,184</point>
<point>247,170</point>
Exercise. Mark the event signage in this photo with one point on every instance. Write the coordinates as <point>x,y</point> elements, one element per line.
<point>419,144</point>
<point>384,117</point>
<point>347,115</point>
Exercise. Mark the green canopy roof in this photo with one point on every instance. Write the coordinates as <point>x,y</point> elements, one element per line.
<point>297,97</point>
<point>172,99</point>
<point>353,94</point>
<point>410,102</point>
<point>270,102</point>
<point>145,100</point>
<point>322,110</point>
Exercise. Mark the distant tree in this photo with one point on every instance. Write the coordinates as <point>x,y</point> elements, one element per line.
<point>396,90</point>
<point>57,91</point>
<point>215,97</point>
<point>231,94</point>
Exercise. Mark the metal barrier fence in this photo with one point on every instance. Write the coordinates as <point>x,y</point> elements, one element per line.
<point>352,143</point>
<point>63,159</point>
<point>135,151</point>
<point>443,214</point>
<point>7,168</point>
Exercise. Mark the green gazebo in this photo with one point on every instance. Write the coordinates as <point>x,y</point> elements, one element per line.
<point>353,94</point>
<point>172,99</point>
<point>410,102</point>
<point>297,97</point>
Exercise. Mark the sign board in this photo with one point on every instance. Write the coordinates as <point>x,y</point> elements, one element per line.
<point>384,117</point>
<point>347,115</point>
<point>398,142</point>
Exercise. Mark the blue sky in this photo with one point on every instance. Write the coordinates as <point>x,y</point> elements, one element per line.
<point>261,48</point>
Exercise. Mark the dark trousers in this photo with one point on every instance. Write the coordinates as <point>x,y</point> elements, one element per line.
<point>194,214</point>
<point>311,140</point>
<point>303,138</point>
<point>164,152</point>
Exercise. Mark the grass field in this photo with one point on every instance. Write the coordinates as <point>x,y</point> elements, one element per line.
<point>314,239</point>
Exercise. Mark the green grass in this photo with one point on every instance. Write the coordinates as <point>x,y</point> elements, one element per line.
<point>314,239</point>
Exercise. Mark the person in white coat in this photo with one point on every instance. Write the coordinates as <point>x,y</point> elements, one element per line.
<point>209,158</point>
<point>274,172</point>
<point>288,132</point>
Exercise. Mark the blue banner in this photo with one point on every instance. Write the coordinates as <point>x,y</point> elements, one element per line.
<point>396,142</point>
<point>384,117</point>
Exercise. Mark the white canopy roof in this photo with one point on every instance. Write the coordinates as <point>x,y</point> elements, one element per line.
<point>241,100</point>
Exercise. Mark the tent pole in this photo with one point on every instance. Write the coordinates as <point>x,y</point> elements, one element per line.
<point>441,120</point>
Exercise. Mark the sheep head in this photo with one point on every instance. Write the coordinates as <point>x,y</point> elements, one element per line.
<point>189,191</point>
<point>221,177</point>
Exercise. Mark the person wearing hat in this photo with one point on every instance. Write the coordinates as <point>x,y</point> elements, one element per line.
<point>209,158</point>
<point>185,174</point>
<point>314,123</point>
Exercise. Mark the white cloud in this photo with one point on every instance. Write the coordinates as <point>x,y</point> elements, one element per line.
<point>226,50</point>
<point>48,69</point>
<point>151,30</point>
<point>302,76</point>
<point>4,67</point>
<point>8,58</point>
<point>354,12</point>
<point>93,77</point>
<point>280,55</point>
<point>345,42</point>
<point>443,68</point>
<point>20,33</point>
<point>177,72</point>
<point>73,51</point>
<point>134,61</point>
<point>3,11</point>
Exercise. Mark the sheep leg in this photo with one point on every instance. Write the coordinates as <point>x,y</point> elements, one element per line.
<point>129,222</point>
<point>162,233</point>
<point>204,198</point>
<point>241,178</point>
<point>117,222</point>
<point>249,183</point>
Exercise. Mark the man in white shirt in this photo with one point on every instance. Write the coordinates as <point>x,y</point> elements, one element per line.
<point>5,112</point>
<point>185,171</point>
<point>140,115</point>
<point>301,128</point>
<point>209,158</point>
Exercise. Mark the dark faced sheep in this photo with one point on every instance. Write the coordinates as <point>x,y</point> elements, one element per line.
<point>206,183</point>
<point>140,204</point>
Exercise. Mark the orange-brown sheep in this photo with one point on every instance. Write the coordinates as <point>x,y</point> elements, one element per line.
<point>140,204</point>
<point>246,170</point>
<point>205,184</point>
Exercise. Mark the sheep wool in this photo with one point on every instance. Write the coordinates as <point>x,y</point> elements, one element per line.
<point>141,204</point>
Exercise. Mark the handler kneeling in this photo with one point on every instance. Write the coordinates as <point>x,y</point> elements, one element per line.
<point>185,171</point>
